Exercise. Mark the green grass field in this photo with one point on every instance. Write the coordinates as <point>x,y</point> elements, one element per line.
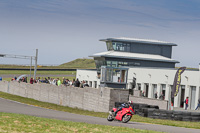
<point>52,74</point>
<point>78,63</point>
<point>38,72</point>
<point>135,118</point>
<point>17,123</point>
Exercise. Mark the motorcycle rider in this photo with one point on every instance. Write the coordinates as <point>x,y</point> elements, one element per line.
<point>124,105</point>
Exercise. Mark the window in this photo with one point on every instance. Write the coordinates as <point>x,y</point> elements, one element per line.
<point>109,75</point>
<point>139,86</point>
<point>99,64</point>
<point>117,75</point>
<point>109,46</point>
<point>118,46</point>
<point>109,63</point>
<point>123,76</point>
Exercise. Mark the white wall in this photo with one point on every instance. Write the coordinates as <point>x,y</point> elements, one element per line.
<point>155,76</point>
<point>88,75</point>
<point>166,76</point>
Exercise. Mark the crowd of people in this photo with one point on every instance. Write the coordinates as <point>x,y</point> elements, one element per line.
<point>55,81</point>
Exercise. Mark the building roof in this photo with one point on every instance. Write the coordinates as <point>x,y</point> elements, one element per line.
<point>137,56</point>
<point>136,40</point>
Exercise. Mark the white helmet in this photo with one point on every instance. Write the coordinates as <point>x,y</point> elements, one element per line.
<point>130,102</point>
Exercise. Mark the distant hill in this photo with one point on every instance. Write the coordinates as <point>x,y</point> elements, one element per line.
<point>80,63</point>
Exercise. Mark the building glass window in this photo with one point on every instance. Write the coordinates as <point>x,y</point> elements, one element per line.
<point>109,46</point>
<point>115,75</point>
<point>117,46</point>
<point>109,75</point>
<point>128,48</point>
<point>109,63</point>
<point>114,63</point>
<point>99,64</point>
<point>123,76</point>
<point>138,86</point>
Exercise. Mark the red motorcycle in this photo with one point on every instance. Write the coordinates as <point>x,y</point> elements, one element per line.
<point>123,115</point>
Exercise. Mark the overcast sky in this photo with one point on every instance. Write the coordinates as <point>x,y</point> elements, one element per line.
<point>64,30</point>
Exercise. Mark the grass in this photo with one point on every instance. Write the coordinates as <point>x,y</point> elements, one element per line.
<point>15,123</point>
<point>38,72</point>
<point>80,63</point>
<point>135,118</point>
<point>52,74</point>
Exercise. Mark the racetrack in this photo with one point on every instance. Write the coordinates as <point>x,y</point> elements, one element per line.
<point>15,107</point>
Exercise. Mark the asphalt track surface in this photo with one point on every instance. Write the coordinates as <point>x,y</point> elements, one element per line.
<point>20,108</point>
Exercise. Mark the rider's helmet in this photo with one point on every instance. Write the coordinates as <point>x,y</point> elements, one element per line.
<point>130,102</point>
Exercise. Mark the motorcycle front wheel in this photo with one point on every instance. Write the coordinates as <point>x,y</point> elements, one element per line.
<point>126,118</point>
<point>110,117</point>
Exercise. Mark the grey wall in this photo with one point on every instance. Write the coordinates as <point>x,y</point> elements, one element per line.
<point>99,100</point>
<point>163,104</point>
<point>152,49</point>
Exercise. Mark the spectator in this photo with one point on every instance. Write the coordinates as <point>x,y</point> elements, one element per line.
<point>198,106</point>
<point>85,84</point>
<point>64,81</point>
<point>156,95</point>
<point>77,83</point>
<point>73,82</point>
<point>53,82</point>
<point>186,102</point>
<point>31,81</point>
<point>82,82</point>
<point>23,79</point>
<point>38,80</point>
<point>161,96</point>
<point>58,82</point>
<point>143,94</point>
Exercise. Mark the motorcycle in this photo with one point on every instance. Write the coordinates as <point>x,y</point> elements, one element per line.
<point>123,115</point>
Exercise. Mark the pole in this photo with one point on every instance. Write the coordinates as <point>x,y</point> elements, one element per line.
<point>30,68</point>
<point>35,70</point>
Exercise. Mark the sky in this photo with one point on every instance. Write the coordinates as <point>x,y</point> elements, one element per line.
<point>64,30</point>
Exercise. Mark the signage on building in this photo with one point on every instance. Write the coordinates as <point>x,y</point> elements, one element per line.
<point>177,81</point>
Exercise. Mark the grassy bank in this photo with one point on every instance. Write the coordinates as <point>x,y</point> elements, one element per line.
<point>135,118</point>
<point>42,74</point>
<point>38,72</point>
<point>23,123</point>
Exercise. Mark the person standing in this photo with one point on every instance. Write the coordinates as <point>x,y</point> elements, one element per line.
<point>58,82</point>
<point>156,95</point>
<point>198,106</point>
<point>31,81</point>
<point>186,103</point>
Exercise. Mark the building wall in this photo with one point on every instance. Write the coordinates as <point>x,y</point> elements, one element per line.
<point>152,49</point>
<point>90,76</point>
<point>161,80</point>
<point>154,80</point>
<point>145,63</point>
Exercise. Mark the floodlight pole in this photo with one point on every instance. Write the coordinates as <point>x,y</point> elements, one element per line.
<point>30,67</point>
<point>25,57</point>
<point>35,70</point>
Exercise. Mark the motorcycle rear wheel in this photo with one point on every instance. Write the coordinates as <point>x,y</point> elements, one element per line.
<point>126,118</point>
<point>110,117</point>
